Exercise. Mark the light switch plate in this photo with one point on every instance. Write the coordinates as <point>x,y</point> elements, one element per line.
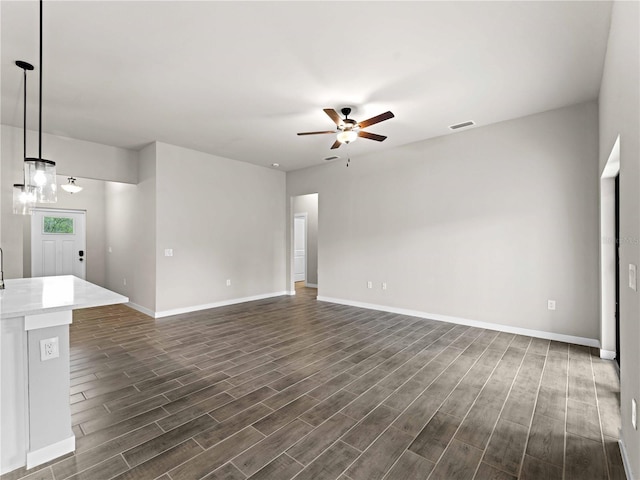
<point>632,276</point>
<point>168,252</point>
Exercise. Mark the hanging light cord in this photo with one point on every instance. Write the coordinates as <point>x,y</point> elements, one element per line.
<point>24,120</point>
<point>40,94</point>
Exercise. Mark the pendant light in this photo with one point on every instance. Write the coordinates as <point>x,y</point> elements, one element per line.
<point>71,187</point>
<point>40,173</point>
<point>24,196</point>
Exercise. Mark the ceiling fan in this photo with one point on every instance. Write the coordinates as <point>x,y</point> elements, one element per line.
<point>348,129</point>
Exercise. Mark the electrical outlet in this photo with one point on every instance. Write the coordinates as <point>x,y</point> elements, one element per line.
<point>168,252</point>
<point>228,282</point>
<point>551,304</point>
<point>49,349</point>
<point>369,284</point>
<point>632,276</point>
<point>384,285</point>
<point>634,414</point>
<point>124,282</point>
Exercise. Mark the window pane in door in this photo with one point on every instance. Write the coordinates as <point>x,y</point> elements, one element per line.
<point>58,225</point>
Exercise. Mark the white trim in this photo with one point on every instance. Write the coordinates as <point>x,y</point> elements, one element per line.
<point>625,460</point>
<point>141,309</point>
<point>311,285</point>
<point>607,354</point>
<point>61,210</point>
<point>290,292</point>
<point>224,303</point>
<point>55,450</point>
<point>589,342</point>
<point>44,320</point>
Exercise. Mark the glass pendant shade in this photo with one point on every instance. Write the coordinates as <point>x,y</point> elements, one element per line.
<point>71,187</point>
<point>347,136</point>
<point>41,175</point>
<point>24,199</point>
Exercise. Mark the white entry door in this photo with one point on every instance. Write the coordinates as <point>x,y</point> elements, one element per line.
<point>299,248</point>
<point>58,243</point>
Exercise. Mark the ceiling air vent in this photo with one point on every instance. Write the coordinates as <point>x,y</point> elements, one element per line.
<point>332,157</point>
<point>461,125</point>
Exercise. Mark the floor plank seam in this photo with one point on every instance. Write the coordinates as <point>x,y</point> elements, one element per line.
<point>533,414</point>
<point>408,406</point>
<point>467,414</point>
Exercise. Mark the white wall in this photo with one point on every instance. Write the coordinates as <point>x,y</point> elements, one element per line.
<point>486,224</point>
<point>224,220</point>
<point>309,204</point>
<point>619,104</point>
<point>73,158</point>
<point>131,234</point>
<point>120,226</point>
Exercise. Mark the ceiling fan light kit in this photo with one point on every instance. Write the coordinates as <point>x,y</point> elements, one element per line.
<point>347,136</point>
<point>348,130</point>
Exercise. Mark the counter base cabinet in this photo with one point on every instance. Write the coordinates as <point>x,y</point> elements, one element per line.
<point>35,392</point>
<point>35,411</point>
<point>13,394</point>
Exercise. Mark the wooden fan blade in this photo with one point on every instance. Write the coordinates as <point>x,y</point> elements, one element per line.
<point>316,133</point>
<point>336,144</point>
<point>377,119</point>
<point>371,136</point>
<point>333,115</point>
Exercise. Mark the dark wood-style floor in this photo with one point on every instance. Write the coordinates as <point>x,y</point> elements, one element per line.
<point>291,387</point>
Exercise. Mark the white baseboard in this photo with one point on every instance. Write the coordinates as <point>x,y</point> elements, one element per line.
<point>589,342</point>
<point>141,309</point>
<point>48,453</point>
<point>607,354</point>
<point>625,460</point>
<point>311,285</point>
<point>291,292</point>
<point>223,303</point>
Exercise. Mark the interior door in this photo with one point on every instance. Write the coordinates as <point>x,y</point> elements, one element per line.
<point>58,243</point>
<point>299,248</point>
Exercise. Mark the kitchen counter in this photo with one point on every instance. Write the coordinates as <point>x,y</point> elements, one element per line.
<point>35,413</point>
<point>34,296</point>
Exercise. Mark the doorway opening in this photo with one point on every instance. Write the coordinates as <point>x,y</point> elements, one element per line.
<point>304,237</point>
<point>609,245</point>
<point>58,242</point>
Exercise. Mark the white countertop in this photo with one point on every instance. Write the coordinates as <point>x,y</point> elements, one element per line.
<point>32,296</point>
